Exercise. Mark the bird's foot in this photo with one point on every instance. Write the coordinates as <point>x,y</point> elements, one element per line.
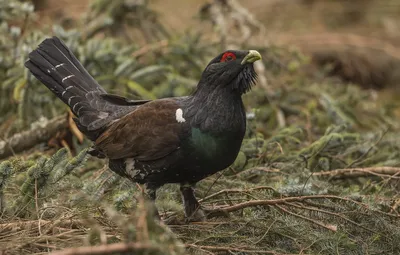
<point>196,215</point>
<point>154,212</point>
<point>193,211</point>
<point>150,196</point>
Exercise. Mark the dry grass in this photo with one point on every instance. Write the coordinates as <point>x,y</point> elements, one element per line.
<point>318,171</point>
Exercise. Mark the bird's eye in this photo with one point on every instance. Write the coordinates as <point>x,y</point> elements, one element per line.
<point>228,56</point>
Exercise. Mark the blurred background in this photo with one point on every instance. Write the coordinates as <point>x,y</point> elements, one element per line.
<point>322,149</point>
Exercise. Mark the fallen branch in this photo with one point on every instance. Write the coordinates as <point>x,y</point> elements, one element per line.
<point>281,201</point>
<point>110,249</point>
<point>28,139</point>
<point>385,172</point>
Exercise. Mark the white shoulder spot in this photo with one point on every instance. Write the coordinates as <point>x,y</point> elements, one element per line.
<point>179,115</point>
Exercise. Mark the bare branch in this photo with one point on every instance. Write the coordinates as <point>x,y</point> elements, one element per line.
<point>384,172</point>
<point>27,139</point>
<point>280,201</point>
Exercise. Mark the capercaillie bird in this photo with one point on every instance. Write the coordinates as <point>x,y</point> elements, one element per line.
<point>171,140</point>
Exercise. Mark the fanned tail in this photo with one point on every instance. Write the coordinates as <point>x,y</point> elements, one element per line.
<point>58,69</point>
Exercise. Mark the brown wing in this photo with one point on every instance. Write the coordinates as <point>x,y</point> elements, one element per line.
<point>150,132</point>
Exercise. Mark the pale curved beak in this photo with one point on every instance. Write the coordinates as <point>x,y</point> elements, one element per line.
<point>251,57</point>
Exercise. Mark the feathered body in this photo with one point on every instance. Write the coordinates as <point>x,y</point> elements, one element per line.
<point>171,140</point>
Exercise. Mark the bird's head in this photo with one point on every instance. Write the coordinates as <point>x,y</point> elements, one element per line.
<point>233,68</point>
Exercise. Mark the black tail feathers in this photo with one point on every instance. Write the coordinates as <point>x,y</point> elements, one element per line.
<point>55,66</point>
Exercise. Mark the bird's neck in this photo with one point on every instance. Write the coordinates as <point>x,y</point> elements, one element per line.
<point>217,126</point>
<point>218,110</point>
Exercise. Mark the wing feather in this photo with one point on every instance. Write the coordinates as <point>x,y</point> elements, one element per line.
<point>149,133</point>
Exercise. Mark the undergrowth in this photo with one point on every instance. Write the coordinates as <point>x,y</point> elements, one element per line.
<point>282,194</point>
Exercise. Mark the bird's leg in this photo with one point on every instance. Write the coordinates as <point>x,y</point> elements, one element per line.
<point>192,208</point>
<point>150,192</point>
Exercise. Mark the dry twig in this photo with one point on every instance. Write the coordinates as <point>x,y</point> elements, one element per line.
<point>227,191</point>
<point>384,172</point>
<point>280,201</point>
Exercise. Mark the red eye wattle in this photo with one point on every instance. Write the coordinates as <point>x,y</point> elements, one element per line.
<point>228,56</point>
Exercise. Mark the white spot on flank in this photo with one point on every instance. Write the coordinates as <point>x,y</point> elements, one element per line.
<point>179,115</point>
<point>65,78</point>
<point>48,70</point>
<point>130,167</point>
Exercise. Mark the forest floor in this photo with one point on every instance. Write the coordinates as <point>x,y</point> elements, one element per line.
<point>318,171</point>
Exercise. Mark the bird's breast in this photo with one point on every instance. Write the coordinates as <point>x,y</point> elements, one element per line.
<point>215,152</point>
<point>216,131</point>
